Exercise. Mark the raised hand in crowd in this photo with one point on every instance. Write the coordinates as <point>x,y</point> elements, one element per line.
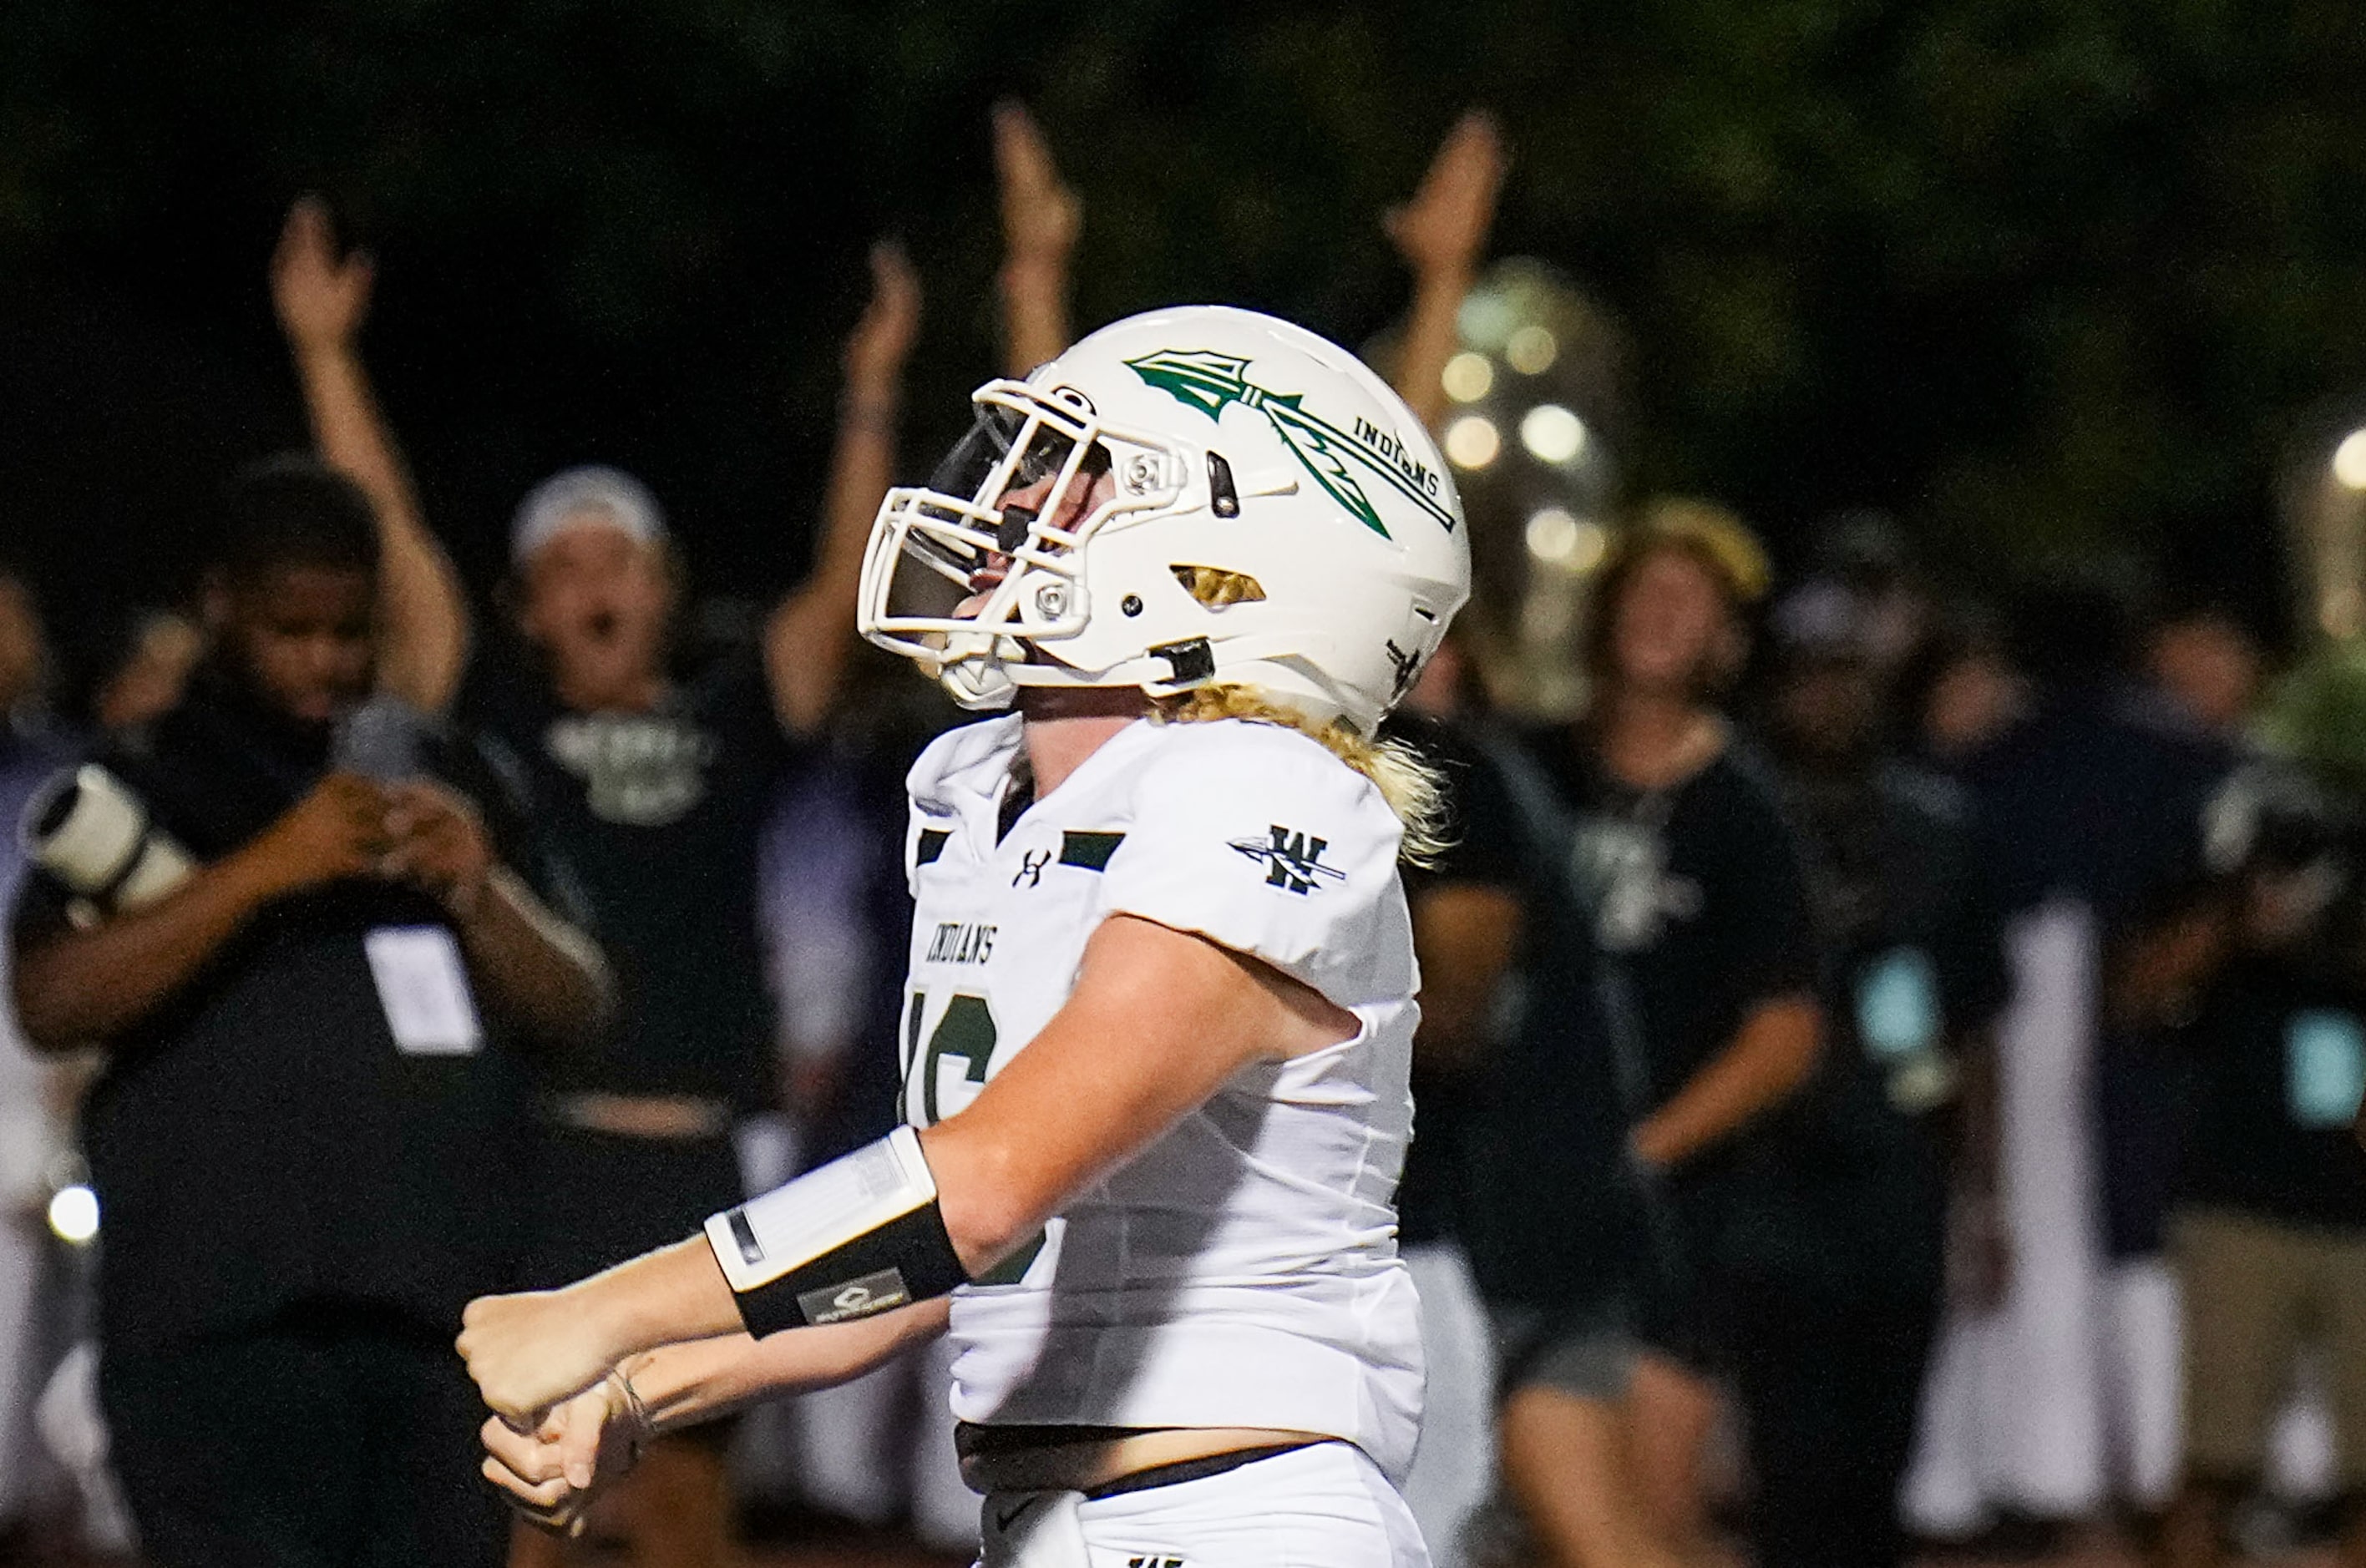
<point>321,294</point>
<point>1041,221</point>
<point>809,636</point>
<point>1441,233</point>
<point>882,339</point>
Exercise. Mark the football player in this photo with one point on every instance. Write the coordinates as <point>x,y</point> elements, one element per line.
<point>1160,1010</point>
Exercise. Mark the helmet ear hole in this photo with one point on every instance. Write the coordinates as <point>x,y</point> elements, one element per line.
<point>1216,588</point>
<point>1223,496</point>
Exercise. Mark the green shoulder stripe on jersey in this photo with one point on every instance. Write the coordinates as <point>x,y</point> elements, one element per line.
<point>1091,850</point>
<point>932,844</point>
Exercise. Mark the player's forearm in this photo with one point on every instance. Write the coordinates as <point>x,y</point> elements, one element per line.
<point>1430,337</point>
<point>83,986</point>
<point>705,1380</point>
<point>535,968</point>
<point>675,1294</point>
<point>1769,1055</point>
<point>423,613</point>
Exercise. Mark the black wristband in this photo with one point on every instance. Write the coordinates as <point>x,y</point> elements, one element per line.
<point>908,1259</point>
<point>858,1236</point>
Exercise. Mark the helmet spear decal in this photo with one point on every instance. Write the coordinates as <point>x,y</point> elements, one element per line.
<point>1208,380</point>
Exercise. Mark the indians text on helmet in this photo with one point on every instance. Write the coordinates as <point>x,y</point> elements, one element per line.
<point>1208,380</point>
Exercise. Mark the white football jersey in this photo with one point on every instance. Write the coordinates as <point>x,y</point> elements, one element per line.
<point>1243,1270</point>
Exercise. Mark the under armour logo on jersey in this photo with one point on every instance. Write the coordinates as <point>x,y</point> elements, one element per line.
<point>1292,861</point>
<point>1030,867</point>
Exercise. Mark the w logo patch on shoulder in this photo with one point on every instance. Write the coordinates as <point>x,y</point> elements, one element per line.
<point>1292,859</point>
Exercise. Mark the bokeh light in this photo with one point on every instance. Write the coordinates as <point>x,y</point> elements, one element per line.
<point>2350,461</point>
<point>1468,376</point>
<point>1472,441</point>
<point>74,1214</point>
<point>1553,434</point>
<point>1552,535</point>
<point>1532,349</point>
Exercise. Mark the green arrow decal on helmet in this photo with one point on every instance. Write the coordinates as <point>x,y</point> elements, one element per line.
<point>1208,380</point>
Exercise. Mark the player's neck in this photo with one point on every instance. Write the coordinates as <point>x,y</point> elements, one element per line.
<point>1067,724</point>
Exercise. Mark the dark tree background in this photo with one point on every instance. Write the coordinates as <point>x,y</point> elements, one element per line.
<point>2043,276</point>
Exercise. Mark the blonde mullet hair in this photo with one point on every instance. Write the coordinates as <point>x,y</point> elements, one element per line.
<point>1408,781</point>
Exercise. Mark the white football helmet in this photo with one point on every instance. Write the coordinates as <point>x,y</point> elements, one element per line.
<point>1059,542</point>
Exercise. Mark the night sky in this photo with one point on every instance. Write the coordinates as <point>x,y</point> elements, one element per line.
<point>2043,279</point>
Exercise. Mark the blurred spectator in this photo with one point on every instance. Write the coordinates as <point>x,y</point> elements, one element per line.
<point>2263,983</point>
<point>1865,554</point>
<point>1701,917</point>
<point>1668,987</point>
<point>654,786</point>
<point>1963,690</point>
<point>2093,809</point>
<point>301,1136</point>
<point>1841,1249</point>
<point>2207,663</point>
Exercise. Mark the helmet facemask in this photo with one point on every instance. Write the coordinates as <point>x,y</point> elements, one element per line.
<point>967,573</point>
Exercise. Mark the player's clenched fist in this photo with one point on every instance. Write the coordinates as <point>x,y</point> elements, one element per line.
<point>531,1351</point>
<point>553,1472</point>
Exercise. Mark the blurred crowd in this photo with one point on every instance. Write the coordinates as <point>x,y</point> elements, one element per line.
<point>1886,1068</point>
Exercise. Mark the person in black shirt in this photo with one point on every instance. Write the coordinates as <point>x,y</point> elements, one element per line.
<point>302,1137</point>
<point>1839,1251</point>
<point>2262,981</point>
<point>656,788</point>
<point>1551,1208</point>
<point>1663,1000</point>
<point>1700,922</point>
